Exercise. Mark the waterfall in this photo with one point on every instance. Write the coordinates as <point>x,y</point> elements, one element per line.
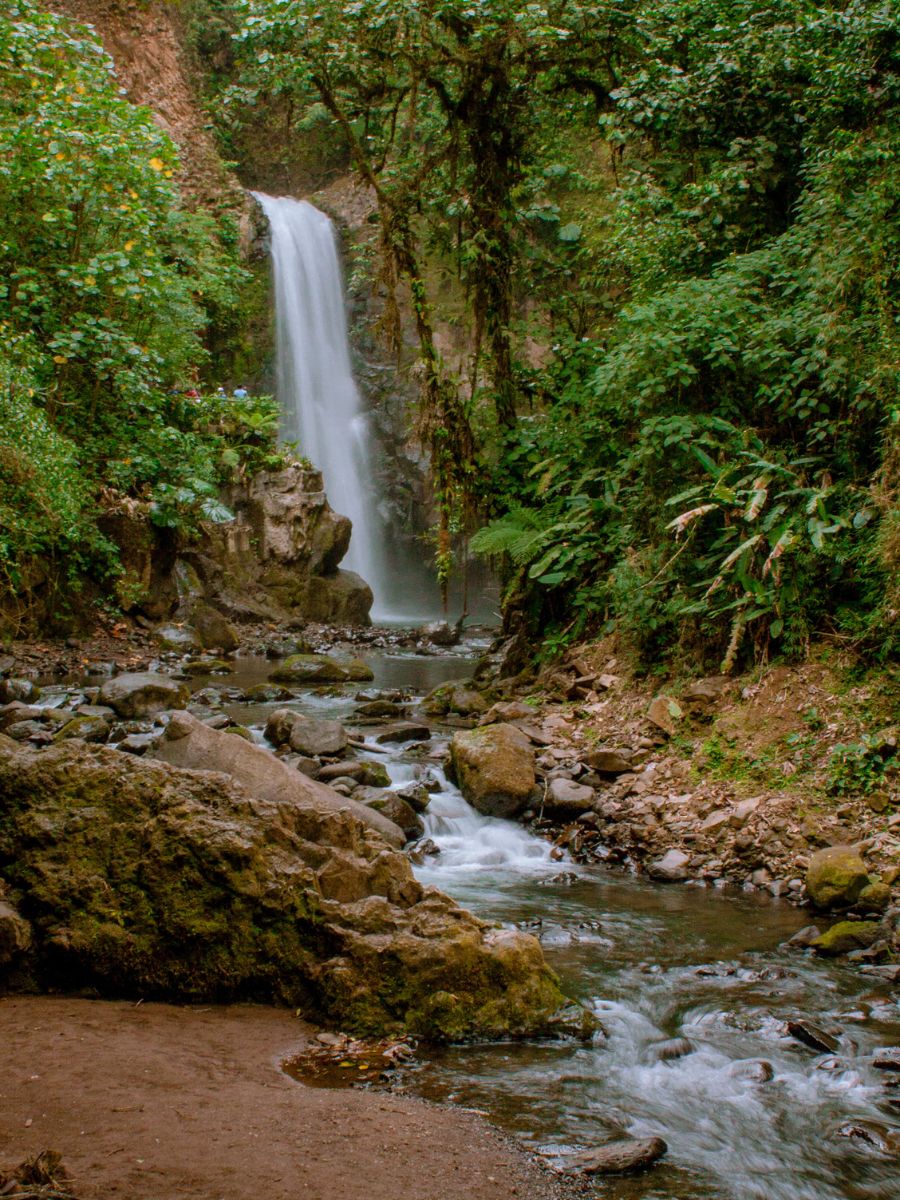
<point>320,402</point>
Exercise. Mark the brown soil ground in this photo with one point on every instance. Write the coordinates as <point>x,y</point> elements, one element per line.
<point>153,1102</point>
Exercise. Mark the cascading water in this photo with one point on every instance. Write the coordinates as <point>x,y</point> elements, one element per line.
<point>320,402</point>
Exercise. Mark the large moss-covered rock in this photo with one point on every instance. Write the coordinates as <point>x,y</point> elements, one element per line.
<point>494,767</point>
<point>141,879</point>
<point>846,936</point>
<point>321,668</point>
<point>835,877</point>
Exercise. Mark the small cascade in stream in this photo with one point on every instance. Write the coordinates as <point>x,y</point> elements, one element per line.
<point>320,402</point>
<point>469,841</point>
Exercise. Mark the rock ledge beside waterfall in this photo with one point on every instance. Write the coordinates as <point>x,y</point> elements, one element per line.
<point>276,561</point>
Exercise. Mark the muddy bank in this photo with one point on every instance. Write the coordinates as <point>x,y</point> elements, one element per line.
<point>151,1102</point>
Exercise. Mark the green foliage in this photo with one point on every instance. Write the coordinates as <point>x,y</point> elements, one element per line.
<point>708,473</point>
<point>113,286</point>
<point>45,505</point>
<point>858,768</point>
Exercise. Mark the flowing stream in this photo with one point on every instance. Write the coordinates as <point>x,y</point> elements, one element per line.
<point>748,1112</point>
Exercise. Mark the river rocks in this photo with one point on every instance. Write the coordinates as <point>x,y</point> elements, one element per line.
<point>141,879</point>
<point>403,731</point>
<point>143,694</point>
<point>395,808</point>
<point>456,698</point>
<point>189,743</point>
<point>22,690</point>
<point>380,709</point>
<point>813,1036</point>
<point>846,936</point>
<point>494,766</point>
<point>886,1058</point>
<point>622,1157</point>
<point>835,877</point>
<point>320,668</point>
<point>372,774</point>
<point>304,734</point>
<point>440,633</point>
<point>671,868</point>
<point>88,728</point>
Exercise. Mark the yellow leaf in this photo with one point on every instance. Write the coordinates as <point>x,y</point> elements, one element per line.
<point>157,164</point>
<point>123,208</point>
<point>168,174</point>
<point>59,358</point>
<point>90,280</point>
<point>60,157</point>
<point>80,89</point>
<point>133,195</point>
<point>129,245</point>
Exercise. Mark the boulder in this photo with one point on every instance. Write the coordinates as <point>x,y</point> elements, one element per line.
<point>835,877</point>
<point>189,743</point>
<point>304,734</point>
<point>874,898</point>
<point>143,694</point>
<point>145,880</point>
<point>671,868</point>
<point>86,727</point>
<point>182,638</point>
<point>664,713</point>
<point>215,631</point>
<point>320,668</point>
<point>22,690</point>
<point>440,633</point>
<point>403,731</point>
<point>455,697</point>
<point>395,808</point>
<point>622,1157</point>
<point>846,936</point>
<point>608,761</point>
<point>565,799</point>
<point>372,774</point>
<point>494,766</point>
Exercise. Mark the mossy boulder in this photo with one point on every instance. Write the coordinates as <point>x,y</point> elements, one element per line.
<point>321,668</point>
<point>140,879</point>
<point>455,697</point>
<point>846,936</point>
<point>494,767</point>
<point>835,877</point>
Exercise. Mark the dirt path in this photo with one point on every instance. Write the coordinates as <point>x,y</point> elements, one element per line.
<point>163,1103</point>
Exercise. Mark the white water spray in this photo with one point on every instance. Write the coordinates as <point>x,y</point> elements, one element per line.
<point>320,402</point>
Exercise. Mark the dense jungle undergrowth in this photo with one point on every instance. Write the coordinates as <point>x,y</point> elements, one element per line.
<point>668,228</point>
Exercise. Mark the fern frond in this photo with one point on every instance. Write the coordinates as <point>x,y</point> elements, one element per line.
<point>519,533</point>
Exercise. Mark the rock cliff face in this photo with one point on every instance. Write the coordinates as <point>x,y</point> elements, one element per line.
<point>141,879</point>
<point>144,39</point>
